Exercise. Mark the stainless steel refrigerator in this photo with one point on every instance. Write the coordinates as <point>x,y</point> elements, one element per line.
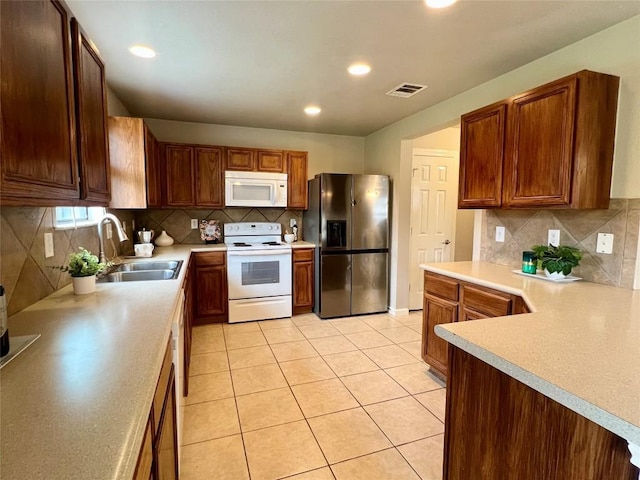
<point>348,220</point>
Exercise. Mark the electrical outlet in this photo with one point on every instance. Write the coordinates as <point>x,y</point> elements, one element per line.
<point>194,223</point>
<point>109,231</point>
<point>499,234</point>
<point>292,222</point>
<point>48,245</point>
<point>553,238</point>
<point>604,244</point>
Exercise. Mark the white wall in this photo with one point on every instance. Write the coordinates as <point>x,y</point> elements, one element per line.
<point>615,50</point>
<point>115,108</point>
<point>327,153</point>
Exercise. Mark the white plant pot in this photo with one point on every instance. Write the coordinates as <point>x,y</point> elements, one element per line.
<point>554,275</point>
<point>164,240</point>
<point>84,285</point>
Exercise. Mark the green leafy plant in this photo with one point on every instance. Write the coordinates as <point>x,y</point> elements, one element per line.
<point>557,259</point>
<point>83,264</point>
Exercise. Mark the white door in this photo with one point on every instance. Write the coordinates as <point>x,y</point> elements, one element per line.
<point>434,201</point>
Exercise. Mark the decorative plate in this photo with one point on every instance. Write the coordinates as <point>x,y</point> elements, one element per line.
<point>210,231</point>
<point>542,276</point>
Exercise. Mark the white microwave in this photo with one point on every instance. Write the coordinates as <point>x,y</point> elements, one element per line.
<point>255,189</point>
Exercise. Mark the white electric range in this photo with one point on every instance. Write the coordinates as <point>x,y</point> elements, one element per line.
<point>258,271</point>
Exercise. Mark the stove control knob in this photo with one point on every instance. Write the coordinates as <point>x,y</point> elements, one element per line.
<point>270,227</point>
<point>237,228</point>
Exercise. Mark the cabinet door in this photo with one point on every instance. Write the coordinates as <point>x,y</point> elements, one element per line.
<point>153,169</point>
<point>145,458</point>
<point>91,116</point>
<point>297,180</point>
<point>481,157</point>
<point>240,159</point>
<point>303,282</point>
<point>166,442</point>
<point>540,129</point>
<point>188,325</point>
<point>209,177</point>
<point>38,132</point>
<point>468,314</point>
<point>436,311</point>
<point>180,175</point>
<point>270,161</point>
<point>212,296</point>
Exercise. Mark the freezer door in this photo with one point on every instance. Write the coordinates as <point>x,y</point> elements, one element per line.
<point>369,283</point>
<point>335,288</point>
<point>335,212</point>
<point>370,216</point>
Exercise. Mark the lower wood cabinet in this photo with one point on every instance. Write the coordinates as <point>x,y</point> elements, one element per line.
<point>447,300</point>
<point>189,295</point>
<point>211,297</point>
<point>303,270</point>
<point>144,467</point>
<point>499,428</point>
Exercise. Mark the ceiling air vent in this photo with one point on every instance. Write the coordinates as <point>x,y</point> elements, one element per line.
<point>406,90</point>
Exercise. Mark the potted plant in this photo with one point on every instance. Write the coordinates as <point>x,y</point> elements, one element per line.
<point>557,262</point>
<point>83,267</point>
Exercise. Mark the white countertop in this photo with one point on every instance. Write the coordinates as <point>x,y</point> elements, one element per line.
<point>580,346</point>
<point>76,402</point>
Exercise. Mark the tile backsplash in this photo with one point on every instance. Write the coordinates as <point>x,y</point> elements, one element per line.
<point>579,228</point>
<point>24,271</point>
<point>177,223</point>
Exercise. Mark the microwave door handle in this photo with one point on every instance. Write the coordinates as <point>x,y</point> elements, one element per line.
<point>245,253</point>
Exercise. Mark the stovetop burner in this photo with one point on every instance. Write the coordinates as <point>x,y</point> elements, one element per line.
<point>241,244</point>
<point>275,244</point>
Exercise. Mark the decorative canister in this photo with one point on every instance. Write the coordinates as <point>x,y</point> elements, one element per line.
<point>164,240</point>
<point>529,262</point>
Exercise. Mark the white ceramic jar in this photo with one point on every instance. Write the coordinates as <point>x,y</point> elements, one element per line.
<point>164,240</point>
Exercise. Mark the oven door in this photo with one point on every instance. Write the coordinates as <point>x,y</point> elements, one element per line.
<point>259,273</point>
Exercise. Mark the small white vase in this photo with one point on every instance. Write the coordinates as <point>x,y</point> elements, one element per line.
<point>554,275</point>
<point>164,240</point>
<point>84,285</point>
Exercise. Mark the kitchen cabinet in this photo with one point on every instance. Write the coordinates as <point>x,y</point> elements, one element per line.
<point>557,144</point>
<point>160,439</point>
<point>209,176</point>
<point>447,300</point>
<point>40,138</point>
<point>254,160</point>
<point>188,288</point>
<point>91,118</point>
<point>297,187</point>
<point>303,282</point>
<point>133,153</point>
<point>180,178</point>
<point>211,298</point>
<point>270,161</point>
<point>240,159</point>
<point>503,429</point>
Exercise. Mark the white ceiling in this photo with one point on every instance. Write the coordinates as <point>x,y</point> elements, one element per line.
<point>259,63</point>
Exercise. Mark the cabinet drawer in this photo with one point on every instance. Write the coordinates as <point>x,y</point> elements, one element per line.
<point>161,388</point>
<point>491,303</point>
<point>305,255</point>
<point>441,286</point>
<point>210,258</point>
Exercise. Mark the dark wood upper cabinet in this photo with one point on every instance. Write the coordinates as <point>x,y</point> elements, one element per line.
<point>558,144</point>
<point>153,169</point>
<point>240,159</point>
<point>39,152</point>
<point>180,178</point>
<point>270,161</point>
<point>481,156</point>
<point>209,176</point>
<point>91,118</point>
<point>297,187</point>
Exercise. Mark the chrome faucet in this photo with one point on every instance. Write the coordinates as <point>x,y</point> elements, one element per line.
<point>122,236</point>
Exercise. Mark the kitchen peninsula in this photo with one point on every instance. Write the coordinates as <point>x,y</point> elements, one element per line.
<point>516,383</point>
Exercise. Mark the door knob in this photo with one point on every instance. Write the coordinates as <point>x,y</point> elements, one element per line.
<point>446,242</point>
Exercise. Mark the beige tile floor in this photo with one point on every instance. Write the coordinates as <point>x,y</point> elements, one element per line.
<point>305,398</point>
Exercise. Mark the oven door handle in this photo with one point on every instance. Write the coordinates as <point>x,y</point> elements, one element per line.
<point>256,253</point>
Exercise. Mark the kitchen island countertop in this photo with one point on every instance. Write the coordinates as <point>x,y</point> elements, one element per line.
<point>580,346</point>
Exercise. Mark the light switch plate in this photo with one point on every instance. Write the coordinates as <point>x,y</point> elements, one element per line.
<point>604,243</point>
<point>48,245</point>
<point>553,238</point>
<point>499,234</point>
<point>194,223</point>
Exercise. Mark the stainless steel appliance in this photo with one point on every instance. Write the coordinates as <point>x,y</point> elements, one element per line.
<point>258,271</point>
<point>255,189</point>
<point>348,219</point>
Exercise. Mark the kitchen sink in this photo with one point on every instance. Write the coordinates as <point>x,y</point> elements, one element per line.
<point>142,271</point>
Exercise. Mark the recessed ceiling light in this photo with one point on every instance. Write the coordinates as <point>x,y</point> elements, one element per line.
<point>359,69</point>
<point>312,110</point>
<point>142,51</point>
<point>439,3</point>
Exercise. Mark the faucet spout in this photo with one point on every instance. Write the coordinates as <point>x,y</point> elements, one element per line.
<point>122,236</point>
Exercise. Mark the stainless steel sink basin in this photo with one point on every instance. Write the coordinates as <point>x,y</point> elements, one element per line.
<point>147,265</point>
<point>143,270</point>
